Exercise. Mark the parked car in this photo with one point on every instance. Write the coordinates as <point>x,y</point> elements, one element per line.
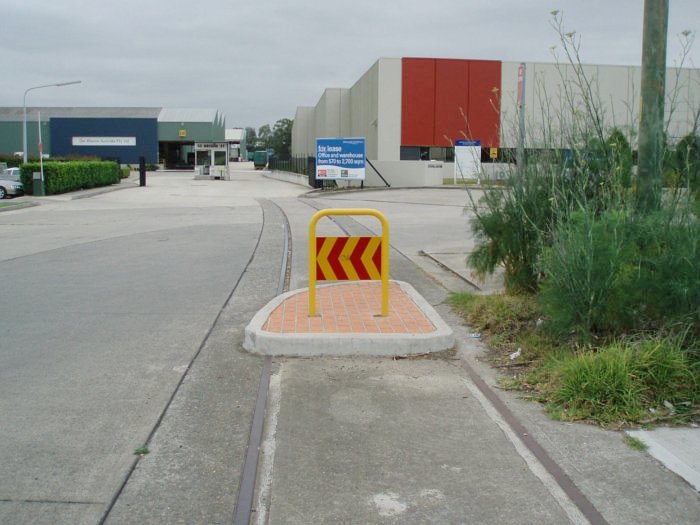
<point>10,185</point>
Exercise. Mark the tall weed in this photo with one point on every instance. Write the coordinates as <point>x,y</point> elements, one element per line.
<point>626,381</point>
<point>509,224</point>
<point>618,272</point>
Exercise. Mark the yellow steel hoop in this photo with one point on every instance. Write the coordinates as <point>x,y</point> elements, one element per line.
<point>384,252</point>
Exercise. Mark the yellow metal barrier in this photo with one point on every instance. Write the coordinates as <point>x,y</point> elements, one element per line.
<point>348,258</point>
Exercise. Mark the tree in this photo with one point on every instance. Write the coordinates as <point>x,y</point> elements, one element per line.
<point>251,138</point>
<point>264,135</point>
<point>281,140</point>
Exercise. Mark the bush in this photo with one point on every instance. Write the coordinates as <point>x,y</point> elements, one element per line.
<point>617,272</point>
<point>509,224</point>
<point>685,161</point>
<point>12,161</point>
<point>61,177</point>
<point>513,226</point>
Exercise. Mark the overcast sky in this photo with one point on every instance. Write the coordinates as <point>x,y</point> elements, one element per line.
<point>257,60</point>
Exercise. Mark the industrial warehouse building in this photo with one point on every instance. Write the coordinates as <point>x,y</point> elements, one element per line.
<point>411,111</point>
<point>164,136</point>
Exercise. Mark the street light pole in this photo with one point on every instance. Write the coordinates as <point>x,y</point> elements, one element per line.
<point>24,111</point>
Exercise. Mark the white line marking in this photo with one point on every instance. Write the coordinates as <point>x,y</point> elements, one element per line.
<point>267,449</point>
<point>569,507</point>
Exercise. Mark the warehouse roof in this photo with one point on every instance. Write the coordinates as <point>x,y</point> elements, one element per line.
<point>15,114</point>
<point>188,115</point>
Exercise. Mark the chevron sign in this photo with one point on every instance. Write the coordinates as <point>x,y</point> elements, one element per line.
<point>348,258</point>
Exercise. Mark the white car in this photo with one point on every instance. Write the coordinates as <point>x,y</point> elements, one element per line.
<point>10,183</point>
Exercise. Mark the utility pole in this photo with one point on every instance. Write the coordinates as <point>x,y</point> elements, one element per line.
<point>651,127</point>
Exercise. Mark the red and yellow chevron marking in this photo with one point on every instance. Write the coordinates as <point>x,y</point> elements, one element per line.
<point>348,258</point>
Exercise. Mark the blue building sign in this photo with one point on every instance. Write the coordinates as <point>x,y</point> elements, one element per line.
<point>340,159</point>
<point>123,140</point>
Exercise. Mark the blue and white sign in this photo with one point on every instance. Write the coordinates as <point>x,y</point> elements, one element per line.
<point>461,142</point>
<point>467,160</point>
<point>340,159</point>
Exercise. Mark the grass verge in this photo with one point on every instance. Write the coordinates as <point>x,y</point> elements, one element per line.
<point>642,381</point>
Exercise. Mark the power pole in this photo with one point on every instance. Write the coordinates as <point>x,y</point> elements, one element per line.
<point>651,127</point>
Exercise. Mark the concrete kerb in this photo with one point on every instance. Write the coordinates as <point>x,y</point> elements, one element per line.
<point>84,194</point>
<point>18,206</point>
<point>314,344</point>
<point>80,194</point>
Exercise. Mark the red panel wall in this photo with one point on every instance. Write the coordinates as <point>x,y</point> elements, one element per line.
<point>451,100</point>
<point>417,101</point>
<point>446,99</point>
<point>484,101</point>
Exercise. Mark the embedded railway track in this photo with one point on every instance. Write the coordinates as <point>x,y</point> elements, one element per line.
<point>580,509</point>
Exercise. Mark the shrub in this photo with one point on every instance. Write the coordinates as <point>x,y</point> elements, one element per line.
<point>60,177</point>
<point>685,162</point>
<point>509,224</point>
<point>617,272</point>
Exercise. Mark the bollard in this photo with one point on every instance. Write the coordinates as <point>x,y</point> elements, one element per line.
<point>38,184</point>
<point>348,258</point>
<point>142,171</point>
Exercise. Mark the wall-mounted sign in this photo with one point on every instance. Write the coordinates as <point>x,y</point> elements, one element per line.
<point>200,146</point>
<point>340,159</point>
<point>182,133</point>
<point>104,141</point>
<point>467,159</point>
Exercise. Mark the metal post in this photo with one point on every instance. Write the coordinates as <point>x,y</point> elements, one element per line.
<point>521,117</point>
<point>651,126</point>
<point>142,171</point>
<point>41,149</point>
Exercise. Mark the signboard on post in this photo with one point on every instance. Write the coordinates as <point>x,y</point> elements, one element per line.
<point>340,159</point>
<point>467,159</point>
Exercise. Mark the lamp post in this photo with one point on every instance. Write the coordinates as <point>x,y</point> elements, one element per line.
<point>24,111</point>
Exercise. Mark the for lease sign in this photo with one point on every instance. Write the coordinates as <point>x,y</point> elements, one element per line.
<point>340,159</point>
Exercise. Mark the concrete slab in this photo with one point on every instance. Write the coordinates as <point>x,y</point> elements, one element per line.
<point>677,448</point>
<point>378,441</point>
<point>349,324</point>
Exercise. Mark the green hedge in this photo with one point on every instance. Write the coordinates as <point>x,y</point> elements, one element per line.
<point>61,177</point>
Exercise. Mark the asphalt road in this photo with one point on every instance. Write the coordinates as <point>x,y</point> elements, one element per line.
<point>122,322</point>
<point>105,303</point>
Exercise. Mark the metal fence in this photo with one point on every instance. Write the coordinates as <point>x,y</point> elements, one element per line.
<point>293,164</point>
<point>302,165</point>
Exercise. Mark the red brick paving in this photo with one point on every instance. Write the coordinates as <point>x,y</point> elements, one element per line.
<point>353,307</point>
